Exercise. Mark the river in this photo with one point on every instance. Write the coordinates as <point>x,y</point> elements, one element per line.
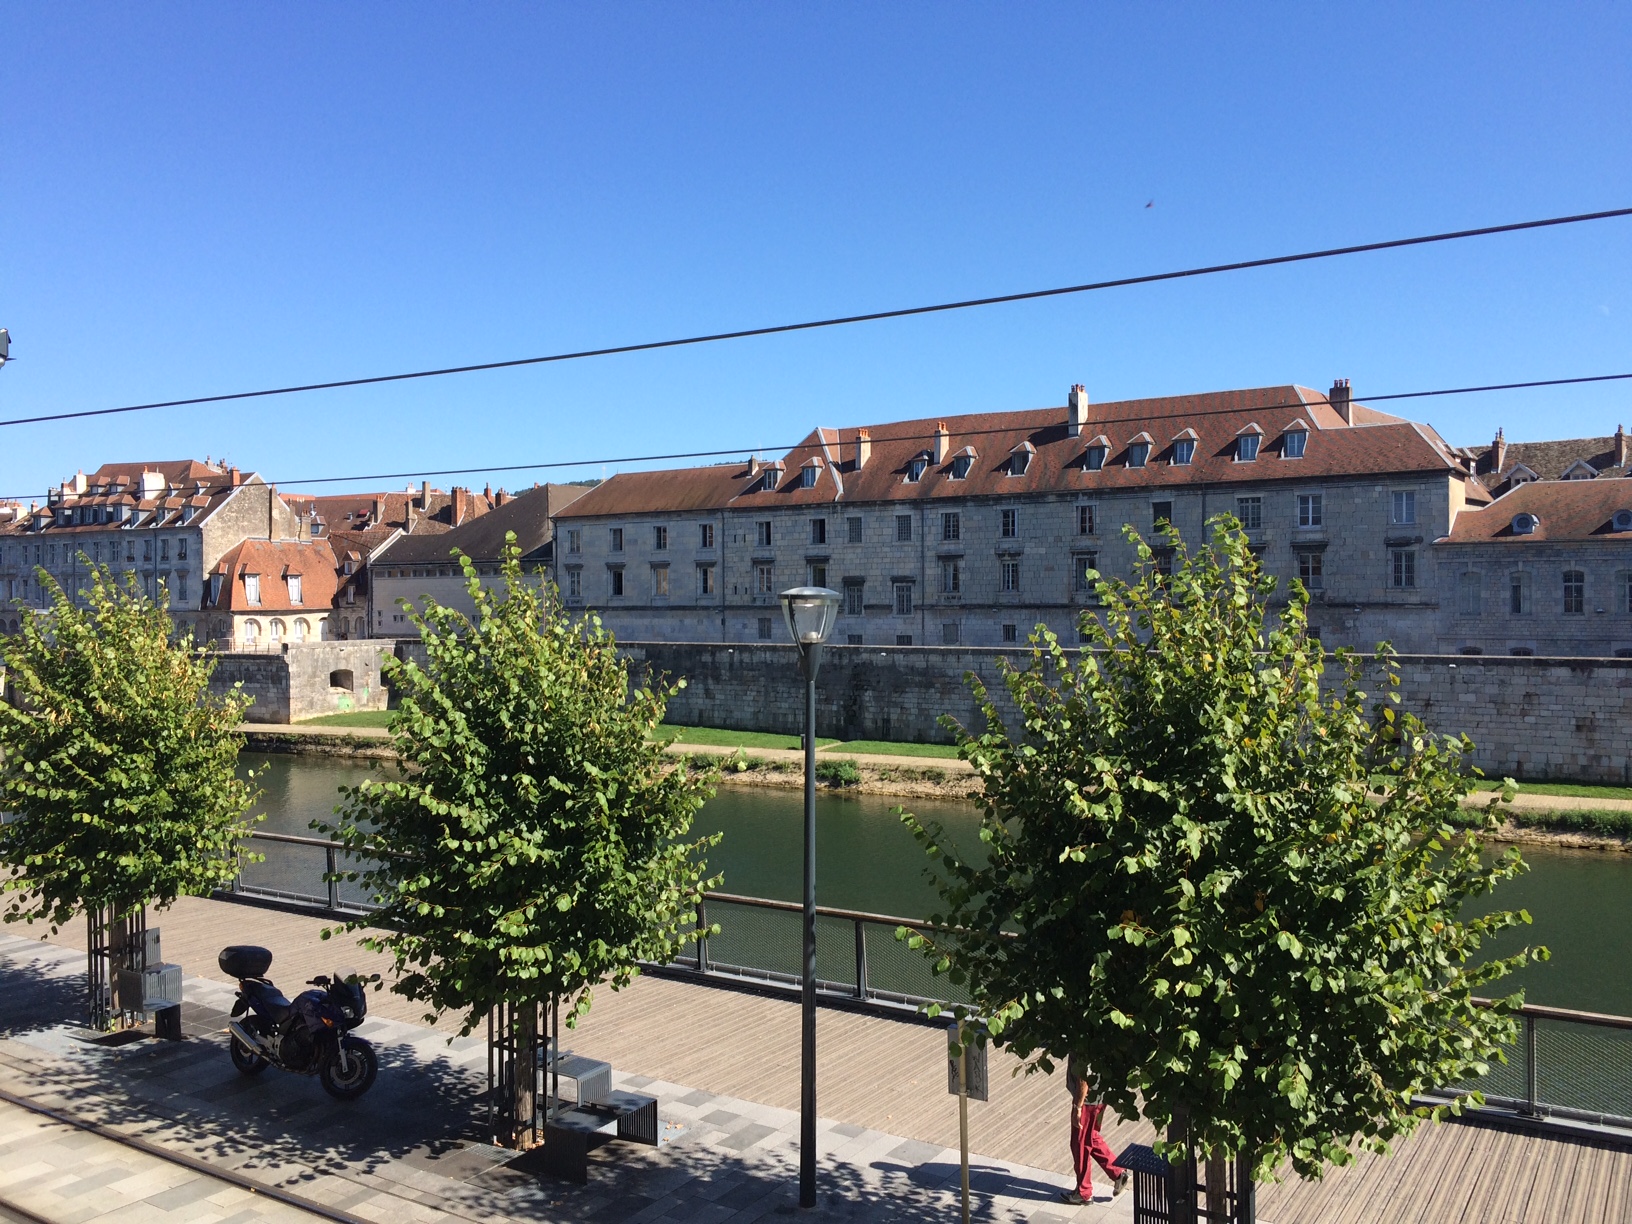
<point>1580,900</point>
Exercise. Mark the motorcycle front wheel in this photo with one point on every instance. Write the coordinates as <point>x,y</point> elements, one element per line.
<point>350,1081</point>
<point>245,1059</point>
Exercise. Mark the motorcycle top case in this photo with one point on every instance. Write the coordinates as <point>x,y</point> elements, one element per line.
<point>244,961</point>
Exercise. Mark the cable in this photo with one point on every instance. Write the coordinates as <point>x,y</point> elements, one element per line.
<point>842,320</point>
<point>966,433</point>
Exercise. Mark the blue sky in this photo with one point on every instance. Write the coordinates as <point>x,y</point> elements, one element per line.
<point>206,198</point>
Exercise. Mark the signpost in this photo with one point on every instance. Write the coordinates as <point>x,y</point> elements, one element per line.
<point>965,1079</point>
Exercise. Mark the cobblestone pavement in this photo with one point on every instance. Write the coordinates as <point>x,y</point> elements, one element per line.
<point>413,1149</point>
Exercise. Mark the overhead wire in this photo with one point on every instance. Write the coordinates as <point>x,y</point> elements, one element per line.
<point>843,320</point>
<point>1234,410</point>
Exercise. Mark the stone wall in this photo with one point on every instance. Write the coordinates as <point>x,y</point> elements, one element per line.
<point>1533,718</point>
<point>306,679</point>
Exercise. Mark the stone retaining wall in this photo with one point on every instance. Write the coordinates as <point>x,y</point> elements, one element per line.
<point>305,679</point>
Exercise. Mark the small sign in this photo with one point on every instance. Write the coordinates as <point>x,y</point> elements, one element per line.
<point>975,1054</point>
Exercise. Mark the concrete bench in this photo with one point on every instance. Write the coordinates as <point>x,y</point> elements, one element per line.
<point>572,1134</point>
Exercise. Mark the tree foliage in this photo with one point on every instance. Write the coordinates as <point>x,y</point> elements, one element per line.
<point>120,767</point>
<point>535,844</point>
<point>1187,884</point>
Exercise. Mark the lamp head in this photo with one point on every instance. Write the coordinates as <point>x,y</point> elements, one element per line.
<point>811,613</point>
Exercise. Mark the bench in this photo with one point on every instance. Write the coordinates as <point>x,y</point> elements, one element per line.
<point>572,1134</point>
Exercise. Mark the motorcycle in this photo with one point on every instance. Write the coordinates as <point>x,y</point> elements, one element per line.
<point>310,1036</point>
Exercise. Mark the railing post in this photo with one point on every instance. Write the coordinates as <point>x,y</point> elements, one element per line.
<point>1530,1066</point>
<point>334,883</point>
<point>861,959</point>
<point>702,936</point>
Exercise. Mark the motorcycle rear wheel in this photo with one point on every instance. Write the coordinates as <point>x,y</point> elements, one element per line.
<point>359,1075</point>
<point>245,1059</point>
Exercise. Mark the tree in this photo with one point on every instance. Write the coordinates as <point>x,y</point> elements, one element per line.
<point>535,844</point>
<point>120,766</point>
<point>1237,895</point>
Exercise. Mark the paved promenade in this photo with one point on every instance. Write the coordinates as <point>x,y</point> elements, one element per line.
<point>724,1066</point>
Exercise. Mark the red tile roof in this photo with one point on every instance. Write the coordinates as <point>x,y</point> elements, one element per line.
<point>1567,510</point>
<point>1334,449</point>
<point>313,560</point>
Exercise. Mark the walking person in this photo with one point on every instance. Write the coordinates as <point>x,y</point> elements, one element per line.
<point>1087,1144</point>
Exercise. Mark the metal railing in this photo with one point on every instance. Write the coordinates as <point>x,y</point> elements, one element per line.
<point>1570,1065</point>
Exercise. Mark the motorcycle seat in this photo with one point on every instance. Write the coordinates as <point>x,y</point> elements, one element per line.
<point>268,1000</point>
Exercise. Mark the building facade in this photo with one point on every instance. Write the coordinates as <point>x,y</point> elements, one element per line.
<point>268,594</point>
<point>971,530</point>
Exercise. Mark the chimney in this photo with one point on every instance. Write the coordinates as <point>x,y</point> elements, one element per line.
<point>1498,452</point>
<point>236,477</point>
<point>1077,410</point>
<point>425,496</point>
<point>864,447</point>
<point>1620,447</point>
<point>500,498</point>
<point>753,465</point>
<point>1338,397</point>
<point>271,511</point>
<point>943,440</point>
<point>488,493</point>
<point>461,505</point>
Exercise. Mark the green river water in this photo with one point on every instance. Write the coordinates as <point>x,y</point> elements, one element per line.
<point>1581,901</point>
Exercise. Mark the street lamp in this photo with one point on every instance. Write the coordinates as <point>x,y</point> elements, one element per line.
<point>810,612</point>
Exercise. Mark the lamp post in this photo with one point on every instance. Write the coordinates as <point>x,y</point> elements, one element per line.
<point>810,613</point>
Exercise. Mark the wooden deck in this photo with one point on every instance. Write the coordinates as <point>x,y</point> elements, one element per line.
<point>890,1076</point>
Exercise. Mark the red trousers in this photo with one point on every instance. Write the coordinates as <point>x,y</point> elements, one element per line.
<point>1088,1146</point>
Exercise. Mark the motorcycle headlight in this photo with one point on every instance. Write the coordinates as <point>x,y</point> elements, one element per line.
<point>348,1013</point>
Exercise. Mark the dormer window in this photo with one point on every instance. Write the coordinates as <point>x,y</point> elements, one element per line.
<point>961,463</point>
<point>1247,443</point>
<point>1521,475</point>
<point>1622,522</point>
<point>1525,524</point>
<point>807,478</point>
<point>915,468</point>
<point>1139,451</point>
<point>1293,442</point>
<point>1093,460</point>
<point>1020,459</point>
<point>1580,470</point>
<point>1184,448</point>
<point>295,594</point>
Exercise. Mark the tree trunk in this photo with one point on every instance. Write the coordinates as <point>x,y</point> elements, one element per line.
<point>524,1076</point>
<point>1218,1202</point>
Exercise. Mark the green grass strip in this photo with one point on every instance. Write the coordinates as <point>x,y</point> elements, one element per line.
<point>714,737</point>
<point>888,748</point>
<point>358,718</point>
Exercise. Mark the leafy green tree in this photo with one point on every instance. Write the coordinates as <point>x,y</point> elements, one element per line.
<point>119,766</point>
<point>1187,884</point>
<point>535,844</point>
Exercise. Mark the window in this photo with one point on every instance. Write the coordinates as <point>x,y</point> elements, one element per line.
<point>705,535</point>
<point>1471,650</point>
<point>764,578</point>
<point>818,531</point>
<point>1250,510</point>
<point>1163,559</point>
<point>903,639</point>
<point>764,628</point>
<point>617,582</point>
<point>951,576</point>
<point>181,588</point>
<point>252,632</point>
<point>1093,460</point>
<point>1019,461</point>
<point>705,580</point>
<point>1008,577</point>
<point>660,539</point>
<point>575,540</point>
<point>164,549</point>
<point>1402,568</point>
<point>1521,652</point>
<point>617,539</point>
<point>1518,594</point>
<point>181,549</point>
<point>903,599</point>
<point>1246,448</point>
<point>1626,593</point>
<point>960,466</point>
<point>807,477</point>
<point>302,628</point>
<point>1468,594</point>
<point>147,550</point>
<point>1011,633</point>
<point>1138,453</point>
<point>762,534</point>
<point>903,528</point>
<point>278,629</point>
<point>817,573</point>
<point>1311,569</point>
<point>949,634</point>
<point>854,526</point>
<point>294,589</point>
<point>1575,593</point>
<point>1009,528</point>
<point>951,525</point>
<point>215,589</point>
<point>852,639</point>
<point>1293,443</point>
<point>852,598</point>
<point>1405,507</point>
<point>1084,572</point>
<point>1161,514</point>
<point>1184,450</point>
<point>915,469</point>
<point>1311,511</point>
<point>575,584</point>
<point>252,590</point>
<point>1085,520</point>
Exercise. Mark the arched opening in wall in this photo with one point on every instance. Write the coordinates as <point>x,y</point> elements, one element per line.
<point>341,679</point>
<point>252,632</point>
<point>278,630</point>
<point>302,629</point>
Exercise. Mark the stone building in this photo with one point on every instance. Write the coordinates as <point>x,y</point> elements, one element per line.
<point>970,530</point>
<point>267,594</point>
<point>410,568</point>
<point>1546,569</point>
<point>169,523</point>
